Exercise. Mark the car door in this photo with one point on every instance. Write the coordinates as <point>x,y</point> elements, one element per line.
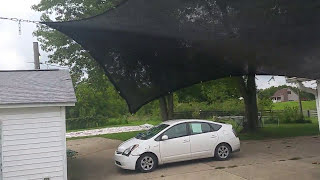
<point>177,146</point>
<point>203,139</point>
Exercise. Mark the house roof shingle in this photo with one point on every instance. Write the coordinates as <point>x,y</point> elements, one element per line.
<point>280,92</point>
<point>36,86</point>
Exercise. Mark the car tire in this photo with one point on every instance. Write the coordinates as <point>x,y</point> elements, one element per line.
<point>147,162</point>
<point>222,152</point>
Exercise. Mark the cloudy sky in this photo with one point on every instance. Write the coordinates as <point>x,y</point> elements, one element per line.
<point>16,50</point>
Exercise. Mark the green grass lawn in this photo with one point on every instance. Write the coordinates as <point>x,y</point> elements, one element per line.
<point>306,105</point>
<point>121,136</point>
<point>268,132</point>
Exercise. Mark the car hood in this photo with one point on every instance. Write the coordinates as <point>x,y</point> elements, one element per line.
<point>123,146</point>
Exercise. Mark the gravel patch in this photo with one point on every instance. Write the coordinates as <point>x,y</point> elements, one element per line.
<point>94,132</point>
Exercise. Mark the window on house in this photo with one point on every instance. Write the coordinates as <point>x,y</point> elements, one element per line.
<point>289,92</point>
<point>278,98</point>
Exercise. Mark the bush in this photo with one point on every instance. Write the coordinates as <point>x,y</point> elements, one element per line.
<point>71,154</point>
<point>93,122</point>
<point>292,115</point>
<point>303,121</point>
<point>271,120</point>
<point>196,114</point>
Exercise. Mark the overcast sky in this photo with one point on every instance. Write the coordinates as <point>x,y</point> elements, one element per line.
<point>16,50</point>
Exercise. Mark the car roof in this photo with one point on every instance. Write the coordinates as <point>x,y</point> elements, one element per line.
<point>177,121</point>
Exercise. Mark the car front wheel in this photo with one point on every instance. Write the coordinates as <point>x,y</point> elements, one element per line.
<point>222,152</point>
<point>147,162</point>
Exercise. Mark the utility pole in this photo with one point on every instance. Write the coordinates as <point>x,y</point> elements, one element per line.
<point>36,55</point>
<point>300,103</point>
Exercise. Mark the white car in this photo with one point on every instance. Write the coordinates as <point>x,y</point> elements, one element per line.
<point>177,140</point>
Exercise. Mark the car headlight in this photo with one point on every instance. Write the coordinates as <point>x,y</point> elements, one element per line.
<point>130,149</point>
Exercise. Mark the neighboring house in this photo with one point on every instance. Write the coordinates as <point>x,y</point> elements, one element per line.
<point>284,95</point>
<point>32,124</point>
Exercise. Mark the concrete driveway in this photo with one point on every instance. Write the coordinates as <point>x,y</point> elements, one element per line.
<point>292,158</point>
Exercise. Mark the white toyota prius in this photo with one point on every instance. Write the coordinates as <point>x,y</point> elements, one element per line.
<point>177,140</point>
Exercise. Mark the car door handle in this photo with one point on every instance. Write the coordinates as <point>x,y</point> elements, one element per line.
<point>213,136</point>
<point>185,141</point>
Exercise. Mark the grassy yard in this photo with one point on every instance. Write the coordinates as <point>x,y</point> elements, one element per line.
<point>268,132</point>
<point>121,136</point>
<point>306,105</point>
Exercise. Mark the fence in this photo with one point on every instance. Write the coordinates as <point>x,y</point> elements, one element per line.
<point>265,117</point>
<point>310,113</point>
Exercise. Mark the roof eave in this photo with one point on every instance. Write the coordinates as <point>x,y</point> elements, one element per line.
<point>28,105</point>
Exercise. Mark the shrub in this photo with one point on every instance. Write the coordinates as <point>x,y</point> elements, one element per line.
<point>291,115</point>
<point>71,154</point>
<point>196,114</point>
<point>271,120</point>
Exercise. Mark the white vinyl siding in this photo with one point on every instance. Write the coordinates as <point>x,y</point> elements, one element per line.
<point>33,144</point>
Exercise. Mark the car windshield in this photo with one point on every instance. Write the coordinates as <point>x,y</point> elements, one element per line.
<point>151,132</point>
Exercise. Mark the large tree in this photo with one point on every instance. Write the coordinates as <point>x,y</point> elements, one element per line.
<point>63,50</point>
<point>247,86</point>
<point>95,93</point>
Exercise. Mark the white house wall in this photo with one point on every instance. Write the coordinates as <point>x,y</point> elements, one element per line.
<point>33,145</point>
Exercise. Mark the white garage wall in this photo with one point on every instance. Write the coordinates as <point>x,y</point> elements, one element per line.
<point>33,145</point>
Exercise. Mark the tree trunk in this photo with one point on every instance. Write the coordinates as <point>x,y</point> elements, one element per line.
<point>300,104</point>
<point>249,93</point>
<point>170,106</point>
<point>251,103</point>
<point>163,108</point>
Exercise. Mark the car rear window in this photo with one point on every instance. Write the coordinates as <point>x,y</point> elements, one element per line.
<point>198,128</point>
<point>215,127</point>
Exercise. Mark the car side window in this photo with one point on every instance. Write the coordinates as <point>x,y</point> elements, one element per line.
<point>215,127</point>
<point>198,128</point>
<point>177,131</point>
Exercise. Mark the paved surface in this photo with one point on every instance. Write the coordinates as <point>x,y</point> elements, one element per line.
<point>291,159</point>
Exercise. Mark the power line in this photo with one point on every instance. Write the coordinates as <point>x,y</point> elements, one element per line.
<point>19,21</point>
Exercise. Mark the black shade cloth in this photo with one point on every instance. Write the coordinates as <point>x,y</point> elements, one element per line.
<point>149,48</point>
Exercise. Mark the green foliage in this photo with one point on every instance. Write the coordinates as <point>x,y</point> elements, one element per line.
<point>291,115</point>
<point>235,105</point>
<point>93,122</point>
<point>215,91</point>
<point>97,99</point>
<point>78,124</point>
<point>71,154</point>
<point>265,104</point>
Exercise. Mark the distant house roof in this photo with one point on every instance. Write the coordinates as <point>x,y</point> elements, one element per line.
<point>280,92</point>
<point>36,86</point>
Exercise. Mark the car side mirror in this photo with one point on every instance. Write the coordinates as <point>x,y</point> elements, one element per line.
<point>164,137</point>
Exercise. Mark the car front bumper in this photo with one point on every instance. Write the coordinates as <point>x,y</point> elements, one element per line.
<point>125,162</point>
